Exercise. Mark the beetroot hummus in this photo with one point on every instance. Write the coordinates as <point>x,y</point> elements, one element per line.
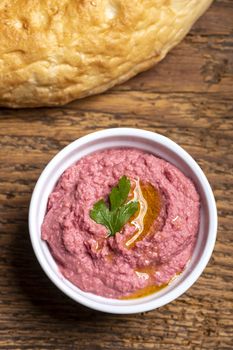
<point>107,266</point>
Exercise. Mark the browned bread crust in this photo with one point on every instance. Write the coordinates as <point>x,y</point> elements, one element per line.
<point>55,51</point>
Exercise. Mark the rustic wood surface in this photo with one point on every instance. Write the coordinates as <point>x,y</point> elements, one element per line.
<point>187,97</point>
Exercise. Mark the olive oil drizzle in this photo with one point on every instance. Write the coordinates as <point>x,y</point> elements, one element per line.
<point>149,209</point>
<point>144,292</point>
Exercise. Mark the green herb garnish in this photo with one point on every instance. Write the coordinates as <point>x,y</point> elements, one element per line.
<point>115,217</point>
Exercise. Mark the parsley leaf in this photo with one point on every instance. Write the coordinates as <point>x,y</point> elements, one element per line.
<point>119,213</point>
<point>119,193</point>
<point>124,213</point>
<point>101,214</point>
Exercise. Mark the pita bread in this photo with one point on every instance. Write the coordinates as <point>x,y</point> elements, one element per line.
<point>52,52</point>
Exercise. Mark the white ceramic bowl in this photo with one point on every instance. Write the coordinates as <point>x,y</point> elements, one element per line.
<point>152,143</point>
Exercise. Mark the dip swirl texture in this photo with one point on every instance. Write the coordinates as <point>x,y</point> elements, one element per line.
<point>106,266</point>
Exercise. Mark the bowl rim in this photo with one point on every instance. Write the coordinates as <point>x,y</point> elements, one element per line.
<point>151,304</point>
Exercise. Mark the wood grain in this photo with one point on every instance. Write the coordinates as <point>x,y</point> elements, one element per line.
<point>187,97</point>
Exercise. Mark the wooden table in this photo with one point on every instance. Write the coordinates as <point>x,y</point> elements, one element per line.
<point>187,97</point>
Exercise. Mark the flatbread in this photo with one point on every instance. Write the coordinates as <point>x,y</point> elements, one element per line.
<point>52,52</point>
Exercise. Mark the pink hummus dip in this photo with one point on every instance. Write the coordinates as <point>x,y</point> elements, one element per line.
<point>106,266</point>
